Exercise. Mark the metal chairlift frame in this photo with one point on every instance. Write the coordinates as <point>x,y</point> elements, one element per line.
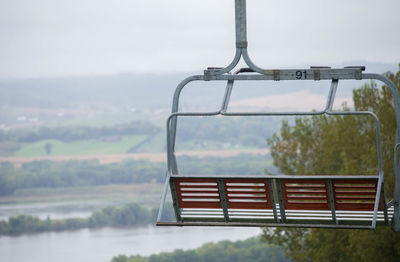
<point>390,212</point>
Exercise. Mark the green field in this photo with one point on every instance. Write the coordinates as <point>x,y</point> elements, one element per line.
<point>144,194</point>
<point>119,145</point>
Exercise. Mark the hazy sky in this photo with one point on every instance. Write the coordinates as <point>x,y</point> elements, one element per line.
<point>79,37</point>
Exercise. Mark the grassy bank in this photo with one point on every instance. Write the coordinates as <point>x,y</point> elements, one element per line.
<point>127,215</point>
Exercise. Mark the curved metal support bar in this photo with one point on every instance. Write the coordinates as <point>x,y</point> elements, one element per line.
<point>396,99</point>
<point>378,134</point>
<point>396,215</point>
<point>232,65</point>
<point>396,155</point>
<point>241,38</point>
<point>250,63</point>
<point>171,136</point>
<point>394,91</point>
<point>172,119</point>
<point>175,108</point>
<point>379,150</point>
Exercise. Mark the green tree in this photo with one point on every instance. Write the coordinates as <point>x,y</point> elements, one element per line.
<point>340,145</point>
<point>48,147</point>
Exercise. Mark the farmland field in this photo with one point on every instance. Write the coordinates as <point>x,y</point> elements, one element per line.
<point>153,156</point>
<point>146,194</point>
<point>118,145</point>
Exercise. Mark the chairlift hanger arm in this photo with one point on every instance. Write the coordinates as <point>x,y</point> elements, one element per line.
<point>257,73</point>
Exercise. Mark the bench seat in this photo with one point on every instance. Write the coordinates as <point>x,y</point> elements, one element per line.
<point>336,200</point>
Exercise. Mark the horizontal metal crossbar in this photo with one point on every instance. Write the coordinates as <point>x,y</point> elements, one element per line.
<point>255,224</point>
<point>223,176</point>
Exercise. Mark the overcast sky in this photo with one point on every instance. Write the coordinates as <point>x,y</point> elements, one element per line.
<point>84,37</point>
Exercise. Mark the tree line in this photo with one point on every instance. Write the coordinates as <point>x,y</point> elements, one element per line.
<point>249,131</point>
<point>74,133</point>
<point>224,251</point>
<point>50,174</point>
<point>127,215</point>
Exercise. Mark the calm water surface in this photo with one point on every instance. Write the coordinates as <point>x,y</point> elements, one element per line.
<point>101,245</point>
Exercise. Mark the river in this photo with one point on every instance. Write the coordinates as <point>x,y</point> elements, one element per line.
<point>101,245</point>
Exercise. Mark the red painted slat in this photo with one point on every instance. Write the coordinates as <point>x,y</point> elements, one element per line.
<point>356,201</point>
<point>304,186</point>
<point>355,192</point>
<point>301,203</point>
<point>245,203</point>
<point>305,192</point>
<point>198,186</point>
<point>246,187</point>
<point>199,191</point>
<point>306,198</point>
<point>199,197</point>
<point>361,198</point>
<point>197,204</point>
<point>247,197</point>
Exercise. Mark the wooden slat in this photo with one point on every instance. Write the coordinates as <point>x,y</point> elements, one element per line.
<point>179,185</point>
<point>356,186</point>
<point>360,198</point>
<point>248,202</point>
<point>305,192</point>
<point>354,199</point>
<point>356,192</point>
<point>199,197</point>
<point>246,187</point>
<point>199,186</point>
<point>246,192</point>
<point>295,200</point>
<point>305,198</point>
<point>247,197</point>
<point>199,191</point>
<point>304,186</point>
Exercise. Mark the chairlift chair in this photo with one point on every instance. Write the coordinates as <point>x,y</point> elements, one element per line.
<point>333,201</point>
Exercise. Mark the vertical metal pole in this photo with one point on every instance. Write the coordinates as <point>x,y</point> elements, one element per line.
<point>227,96</point>
<point>280,199</point>
<point>273,201</point>
<point>175,201</point>
<point>396,215</point>
<point>163,196</point>
<point>377,201</point>
<point>383,203</point>
<point>331,96</point>
<point>224,204</point>
<point>240,22</point>
<point>332,200</point>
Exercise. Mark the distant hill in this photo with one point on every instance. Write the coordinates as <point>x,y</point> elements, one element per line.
<point>139,90</point>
